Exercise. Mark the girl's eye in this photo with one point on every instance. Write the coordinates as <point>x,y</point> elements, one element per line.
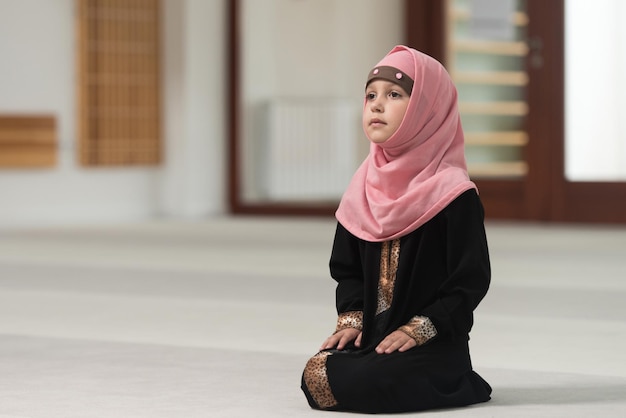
<point>370,96</point>
<point>395,94</point>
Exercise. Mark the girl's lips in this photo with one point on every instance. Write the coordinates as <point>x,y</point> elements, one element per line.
<point>376,122</point>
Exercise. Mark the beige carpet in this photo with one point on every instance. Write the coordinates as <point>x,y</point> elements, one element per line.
<point>216,319</point>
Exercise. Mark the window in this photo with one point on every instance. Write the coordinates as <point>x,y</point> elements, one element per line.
<point>486,57</point>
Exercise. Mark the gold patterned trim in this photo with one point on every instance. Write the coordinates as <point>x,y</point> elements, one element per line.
<point>352,319</point>
<point>316,380</point>
<point>389,255</point>
<point>420,328</point>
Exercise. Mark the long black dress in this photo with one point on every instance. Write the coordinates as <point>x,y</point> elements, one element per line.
<point>436,275</point>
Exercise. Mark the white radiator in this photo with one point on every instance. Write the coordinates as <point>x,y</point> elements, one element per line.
<point>310,151</point>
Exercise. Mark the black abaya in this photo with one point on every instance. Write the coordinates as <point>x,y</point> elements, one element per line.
<point>442,273</point>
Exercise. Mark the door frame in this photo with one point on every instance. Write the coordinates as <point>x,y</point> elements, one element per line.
<point>236,204</point>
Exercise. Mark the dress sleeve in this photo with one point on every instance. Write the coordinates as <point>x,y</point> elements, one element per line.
<point>347,270</point>
<point>420,328</point>
<point>468,268</point>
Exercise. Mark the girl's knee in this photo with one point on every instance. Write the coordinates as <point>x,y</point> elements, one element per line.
<point>315,382</point>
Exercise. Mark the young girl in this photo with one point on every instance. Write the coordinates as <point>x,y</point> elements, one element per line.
<point>410,254</point>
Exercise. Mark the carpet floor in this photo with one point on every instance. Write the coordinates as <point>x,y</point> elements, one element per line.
<point>218,318</point>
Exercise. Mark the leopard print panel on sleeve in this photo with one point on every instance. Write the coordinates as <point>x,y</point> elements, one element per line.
<point>316,380</point>
<point>352,319</point>
<point>420,328</point>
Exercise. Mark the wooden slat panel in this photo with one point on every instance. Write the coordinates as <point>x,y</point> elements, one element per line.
<point>513,138</point>
<point>26,122</point>
<point>491,47</point>
<point>27,157</point>
<point>498,169</point>
<point>494,108</point>
<point>505,78</point>
<point>36,136</point>
<point>119,82</point>
<point>27,141</point>
<point>519,18</point>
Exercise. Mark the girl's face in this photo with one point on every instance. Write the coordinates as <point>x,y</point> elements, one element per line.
<point>385,105</point>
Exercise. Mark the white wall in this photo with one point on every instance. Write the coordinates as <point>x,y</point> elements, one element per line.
<point>595,90</point>
<point>319,49</point>
<point>37,75</point>
<point>193,179</point>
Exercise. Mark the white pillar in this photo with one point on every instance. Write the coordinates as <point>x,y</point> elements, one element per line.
<point>194,108</point>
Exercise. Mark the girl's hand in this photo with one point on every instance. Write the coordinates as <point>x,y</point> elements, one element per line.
<point>341,338</point>
<point>397,340</point>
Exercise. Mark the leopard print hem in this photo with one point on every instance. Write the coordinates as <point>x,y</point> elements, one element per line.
<point>316,381</point>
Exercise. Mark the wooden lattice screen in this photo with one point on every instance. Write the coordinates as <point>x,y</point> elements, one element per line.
<point>27,141</point>
<point>118,70</point>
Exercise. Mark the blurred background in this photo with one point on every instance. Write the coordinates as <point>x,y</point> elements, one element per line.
<point>114,111</point>
<point>143,144</point>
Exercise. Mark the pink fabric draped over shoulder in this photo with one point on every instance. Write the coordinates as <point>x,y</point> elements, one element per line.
<point>407,180</point>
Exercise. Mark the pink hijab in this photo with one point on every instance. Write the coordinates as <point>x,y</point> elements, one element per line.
<point>407,180</point>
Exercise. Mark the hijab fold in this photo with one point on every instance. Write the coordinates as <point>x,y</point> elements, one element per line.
<point>408,179</point>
